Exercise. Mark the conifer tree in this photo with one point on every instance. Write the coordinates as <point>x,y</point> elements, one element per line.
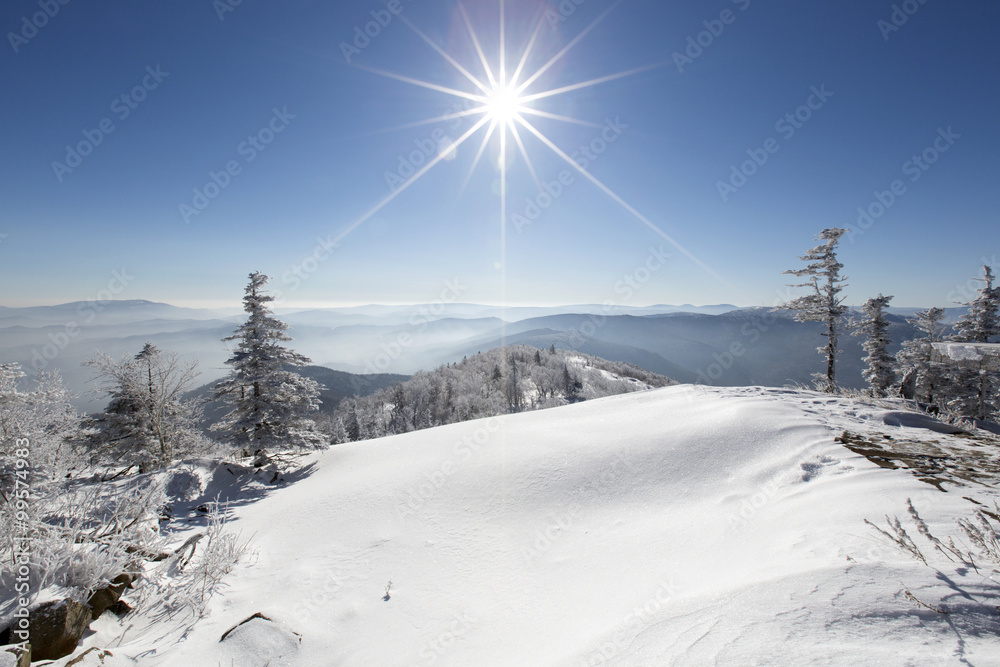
<point>823,303</point>
<point>982,322</point>
<point>923,378</point>
<point>880,374</point>
<point>352,427</point>
<point>271,403</point>
<point>973,385</point>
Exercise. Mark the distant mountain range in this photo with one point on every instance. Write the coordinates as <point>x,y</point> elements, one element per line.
<point>721,345</point>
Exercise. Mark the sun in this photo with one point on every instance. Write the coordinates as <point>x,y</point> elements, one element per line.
<point>504,104</point>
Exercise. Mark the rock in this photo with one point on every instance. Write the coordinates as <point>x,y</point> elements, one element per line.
<point>12,656</point>
<point>56,627</point>
<point>120,608</point>
<point>103,598</point>
<point>243,622</point>
<point>260,642</point>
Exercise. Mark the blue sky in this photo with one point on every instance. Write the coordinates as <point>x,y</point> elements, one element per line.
<point>264,89</point>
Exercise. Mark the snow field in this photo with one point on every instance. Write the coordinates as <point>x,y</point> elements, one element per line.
<point>680,526</point>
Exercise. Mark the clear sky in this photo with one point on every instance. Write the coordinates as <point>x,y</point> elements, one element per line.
<point>118,114</point>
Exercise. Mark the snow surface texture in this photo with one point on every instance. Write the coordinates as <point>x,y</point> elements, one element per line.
<point>681,526</point>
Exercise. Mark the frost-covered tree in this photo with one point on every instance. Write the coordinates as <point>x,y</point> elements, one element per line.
<point>922,378</point>
<point>513,392</point>
<point>477,387</point>
<point>982,322</point>
<point>147,421</point>
<point>880,374</point>
<point>973,385</point>
<point>271,403</point>
<point>823,303</point>
<point>42,417</point>
<point>973,388</point>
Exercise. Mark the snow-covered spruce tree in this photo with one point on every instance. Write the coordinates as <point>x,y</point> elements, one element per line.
<point>880,373</point>
<point>974,387</point>
<point>973,391</point>
<point>146,423</point>
<point>982,322</point>
<point>352,429</point>
<point>922,378</point>
<point>824,303</point>
<point>271,404</point>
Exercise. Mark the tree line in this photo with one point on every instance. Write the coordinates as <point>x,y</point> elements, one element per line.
<point>504,380</point>
<point>964,387</point>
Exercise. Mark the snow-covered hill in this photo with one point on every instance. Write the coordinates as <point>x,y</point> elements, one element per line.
<point>680,526</point>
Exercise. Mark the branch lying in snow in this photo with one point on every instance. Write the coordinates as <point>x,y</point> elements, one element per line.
<point>913,598</point>
<point>190,542</point>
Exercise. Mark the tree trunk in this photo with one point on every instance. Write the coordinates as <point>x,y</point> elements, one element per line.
<point>831,357</point>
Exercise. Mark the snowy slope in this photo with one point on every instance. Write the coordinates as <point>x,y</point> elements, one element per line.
<point>681,526</point>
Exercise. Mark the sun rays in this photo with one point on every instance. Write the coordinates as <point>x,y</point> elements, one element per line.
<point>500,104</point>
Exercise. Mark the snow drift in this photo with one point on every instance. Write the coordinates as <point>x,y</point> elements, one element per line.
<point>681,526</point>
